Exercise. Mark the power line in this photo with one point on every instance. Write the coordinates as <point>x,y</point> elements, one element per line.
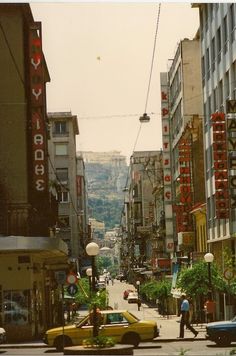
<point>147,97</point>
<point>153,56</point>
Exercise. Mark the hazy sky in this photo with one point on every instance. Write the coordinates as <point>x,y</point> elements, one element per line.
<point>99,58</point>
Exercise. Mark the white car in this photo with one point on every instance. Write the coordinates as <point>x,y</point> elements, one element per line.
<point>133,297</point>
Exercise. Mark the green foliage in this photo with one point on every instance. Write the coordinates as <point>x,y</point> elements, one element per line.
<point>195,281</point>
<point>99,342</point>
<point>100,299</point>
<point>156,290</point>
<point>103,262</point>
<point>107,210</point>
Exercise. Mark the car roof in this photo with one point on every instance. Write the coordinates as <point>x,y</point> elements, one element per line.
<point>112,311</point>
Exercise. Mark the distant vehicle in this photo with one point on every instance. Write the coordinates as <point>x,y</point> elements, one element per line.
<point>121,277</point>
<point>121,325</point>
<point>126,293</point>
<point>222,332</point>
<point>2,335</point>
<point>101,285</point>
<point>133,297</point>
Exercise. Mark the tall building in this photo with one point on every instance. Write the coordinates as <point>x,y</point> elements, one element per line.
<point>140,250</point>
<point>82,201</point>
<point>62,175</point>
<point>29,251</point>
<point>218,57</point>
<point>183,161</point>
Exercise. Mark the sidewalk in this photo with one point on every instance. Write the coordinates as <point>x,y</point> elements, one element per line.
<point>169,325</point>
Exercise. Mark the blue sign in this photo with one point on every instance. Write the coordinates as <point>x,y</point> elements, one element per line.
<point>72,289</point>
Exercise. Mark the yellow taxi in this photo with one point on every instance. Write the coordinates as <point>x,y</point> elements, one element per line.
<point>121,325</point>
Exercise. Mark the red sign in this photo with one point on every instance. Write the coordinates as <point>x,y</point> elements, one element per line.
<point>38,125</point>
<point>220,165</point>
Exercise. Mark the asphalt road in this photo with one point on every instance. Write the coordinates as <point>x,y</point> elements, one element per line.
<point>200,348</point>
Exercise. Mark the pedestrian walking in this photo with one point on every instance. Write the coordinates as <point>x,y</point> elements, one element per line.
<point>184,309</point>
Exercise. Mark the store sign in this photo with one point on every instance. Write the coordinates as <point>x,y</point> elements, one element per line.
<point>231,128</point>
<point>37,95</point>
<point>220,165</point>
<point>167,162</point>
<point>182,210</point>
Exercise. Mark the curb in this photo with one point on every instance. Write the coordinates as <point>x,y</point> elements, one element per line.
<point>142,345</point>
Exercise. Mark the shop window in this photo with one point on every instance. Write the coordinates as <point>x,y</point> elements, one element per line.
<point>16,306</point>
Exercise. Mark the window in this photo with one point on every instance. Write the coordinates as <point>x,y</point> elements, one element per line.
<point>215,103</point>
<point>203,70</point>
<point>225,33</point>
<point>208,63</point>
<point>60,127</point>
<point>63,221</point>
<point>220,92</point>
<point>213,53</point>
<point>62,174</point>
<point>16,307</point>
<point>63,196</point>
<point>61,149</point>
<point>232,22</point>
<point>227,85</point>
<point>206,16</point>
<point>219,43</point>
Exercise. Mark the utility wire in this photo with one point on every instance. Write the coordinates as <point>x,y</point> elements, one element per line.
<point>147,97</point>
<point>153,56</point>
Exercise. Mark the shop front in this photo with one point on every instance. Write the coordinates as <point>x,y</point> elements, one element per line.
<point>29,293</point>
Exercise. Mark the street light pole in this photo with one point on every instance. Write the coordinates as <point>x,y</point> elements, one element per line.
<point>92,250</point>
<point>209,257</point>
<point>138,286</point>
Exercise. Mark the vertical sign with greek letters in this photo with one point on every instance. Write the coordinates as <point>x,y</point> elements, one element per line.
<point>37,98</point>
<point>166,162</point>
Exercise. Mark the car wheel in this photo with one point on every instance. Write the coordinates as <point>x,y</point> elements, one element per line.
<point>58,343</point>
<point>223,340</point>
<point>131,338</point>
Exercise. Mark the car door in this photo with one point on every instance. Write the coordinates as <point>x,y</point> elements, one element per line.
<point>115,325</point>
<point>83,331</point>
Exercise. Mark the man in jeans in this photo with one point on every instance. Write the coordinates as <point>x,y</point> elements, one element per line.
<point>185,317</point>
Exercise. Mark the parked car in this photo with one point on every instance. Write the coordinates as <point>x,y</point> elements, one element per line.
<point>222,332</point>
<point>133,297</point>
<point>126,293</point>
<point>122,325</point>
<point>2,335</point>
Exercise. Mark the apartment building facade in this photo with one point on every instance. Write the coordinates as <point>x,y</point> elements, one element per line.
<point>62,176</point>
<point>142,244</point>
<point>183,163</point>
<point>218,56</point>
<point>29,254</point>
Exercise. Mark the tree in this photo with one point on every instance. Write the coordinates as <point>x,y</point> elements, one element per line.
<point>194,281</point>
